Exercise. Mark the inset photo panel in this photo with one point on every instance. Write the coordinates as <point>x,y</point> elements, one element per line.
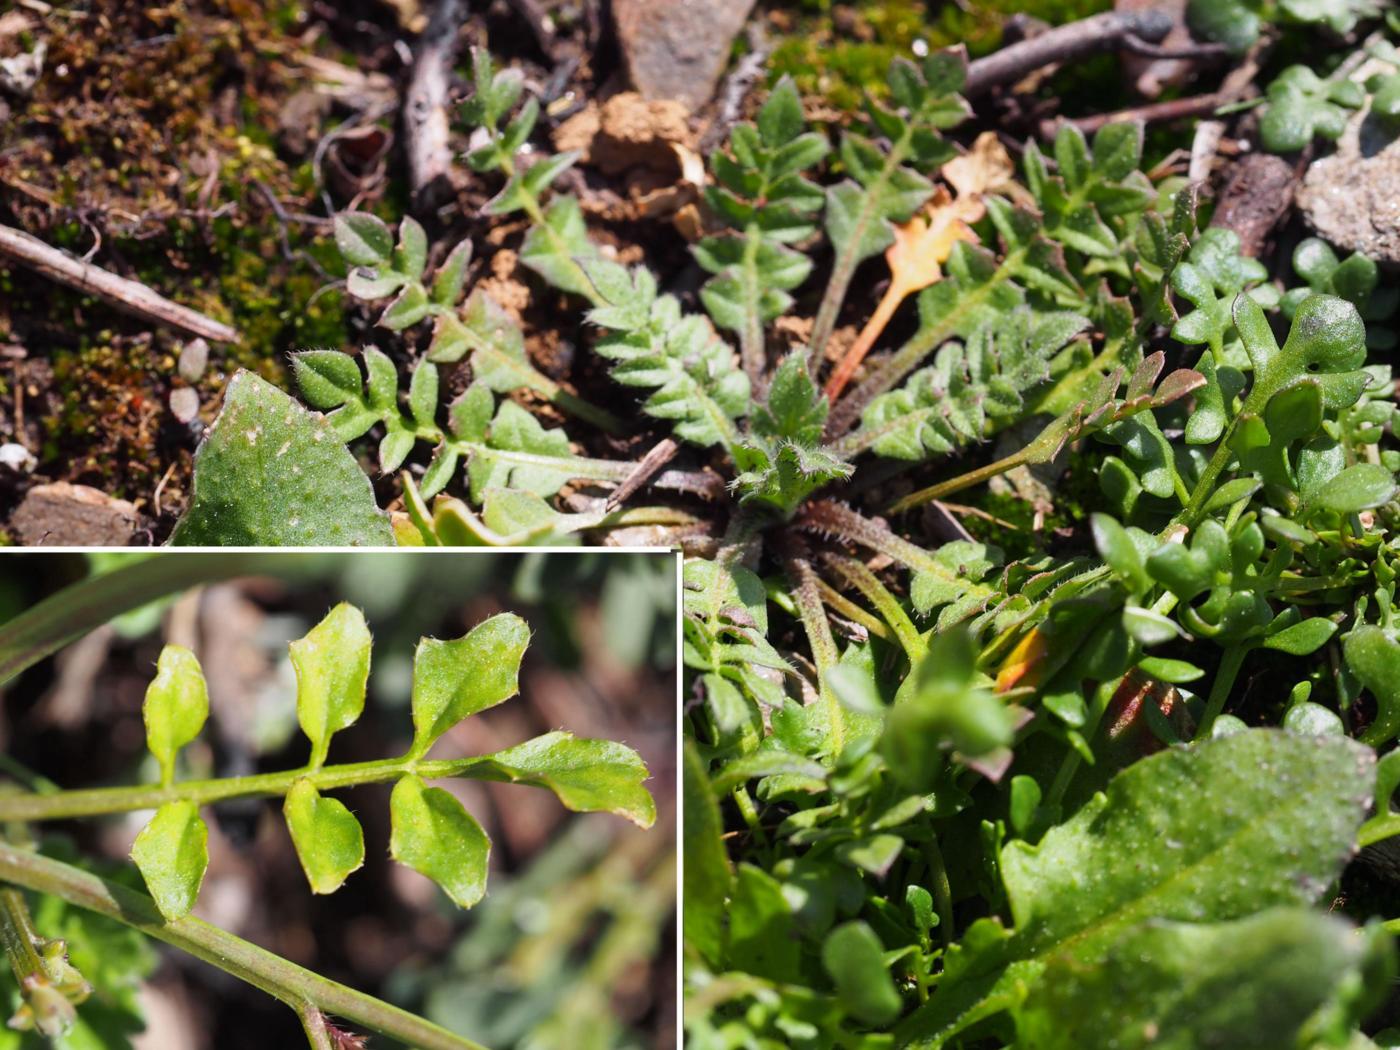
<point>339,800</point>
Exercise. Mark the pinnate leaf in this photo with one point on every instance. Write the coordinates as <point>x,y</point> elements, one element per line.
<point>435,836</point>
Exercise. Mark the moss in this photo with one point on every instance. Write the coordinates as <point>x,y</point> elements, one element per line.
<point>841,51</point>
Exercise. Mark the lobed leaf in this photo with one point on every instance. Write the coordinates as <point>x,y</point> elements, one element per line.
<point>588,776</point>
<point>453,680</point>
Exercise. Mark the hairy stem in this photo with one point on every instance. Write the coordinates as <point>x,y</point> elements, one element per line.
<point>824,653</point>
<point>284,980</point>
<point>844,268</point>
<point>858,575</point>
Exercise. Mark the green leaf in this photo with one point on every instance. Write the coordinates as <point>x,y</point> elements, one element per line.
<point>327,378</point>
<point>176,705</point>
<point>555,249</point>
<point>1360,487</point>
<point>854,957</point>
<point>410,307</point>
<point>172,852</point>
<point>1189,835</point>
<point>588,776</point>
<point>436,837</point>
<point>329,841</point>
<point>455,679</point>
<point>451,276</point>
<point>1254,984</point>
<point>1373,656</point>
<point>1303,106</point>
<point>269,474</point>
<point>332,668</point>
<point>363,239</point>
<point>706,872</point>
<point>1304,637</point>
<point>1118,550</point>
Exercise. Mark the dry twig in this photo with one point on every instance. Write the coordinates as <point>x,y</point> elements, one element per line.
<point>126,295</point>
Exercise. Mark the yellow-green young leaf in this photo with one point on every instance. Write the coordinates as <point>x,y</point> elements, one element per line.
<point>172,852</point>
<point>436,837</point>
<point>329,842</point>
<point>588,775</point>
<point>177,703</point>
<point>452,680</point>
<point>332,665</point>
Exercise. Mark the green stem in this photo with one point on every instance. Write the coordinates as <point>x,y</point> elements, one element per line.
<point>531,204</point>
<point>824,654</point>
<point>72,612</point>
<point>844,268</point>
<point>92,802</point>
<point>1225,675</point>
<point>860,577</point>
<point>1195,508</point>
<point>942,890</point>
<point>843,606</point>
<point>284,980</point>
<point>753,349</point>
<point>962,481</point>
<point>17,930</point>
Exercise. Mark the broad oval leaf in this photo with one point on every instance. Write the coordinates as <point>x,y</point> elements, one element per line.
<point>1214,831</point>
<point>329,841</point>
<point>589,776</point>
<point>854,957</point>
<point>455,679</point>
<point>176,705</point>
<point>332,668</point>
<point>172,852</point>
<point>1304,637</point>
<point>271,474</point>
<point>1359,487</point>
<point>436,837</point>
<point>1253,984</point>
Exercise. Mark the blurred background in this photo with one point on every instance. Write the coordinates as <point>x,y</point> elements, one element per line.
<point>574,945</point>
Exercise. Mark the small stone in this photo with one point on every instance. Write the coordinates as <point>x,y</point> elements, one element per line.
<point>678,48</point>
<point>194,358</point>
<point>64,515</point>
<point>17,458</point>
<point>184,403</point>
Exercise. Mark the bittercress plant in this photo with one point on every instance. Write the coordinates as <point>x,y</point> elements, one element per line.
<point>431,831</point>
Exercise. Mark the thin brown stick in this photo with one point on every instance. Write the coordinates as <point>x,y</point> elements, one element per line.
<point>129,296</point>
<point>425,106</point>
<point>661,454</point>
<point>1064,44</point>
<point>1172,109</point>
